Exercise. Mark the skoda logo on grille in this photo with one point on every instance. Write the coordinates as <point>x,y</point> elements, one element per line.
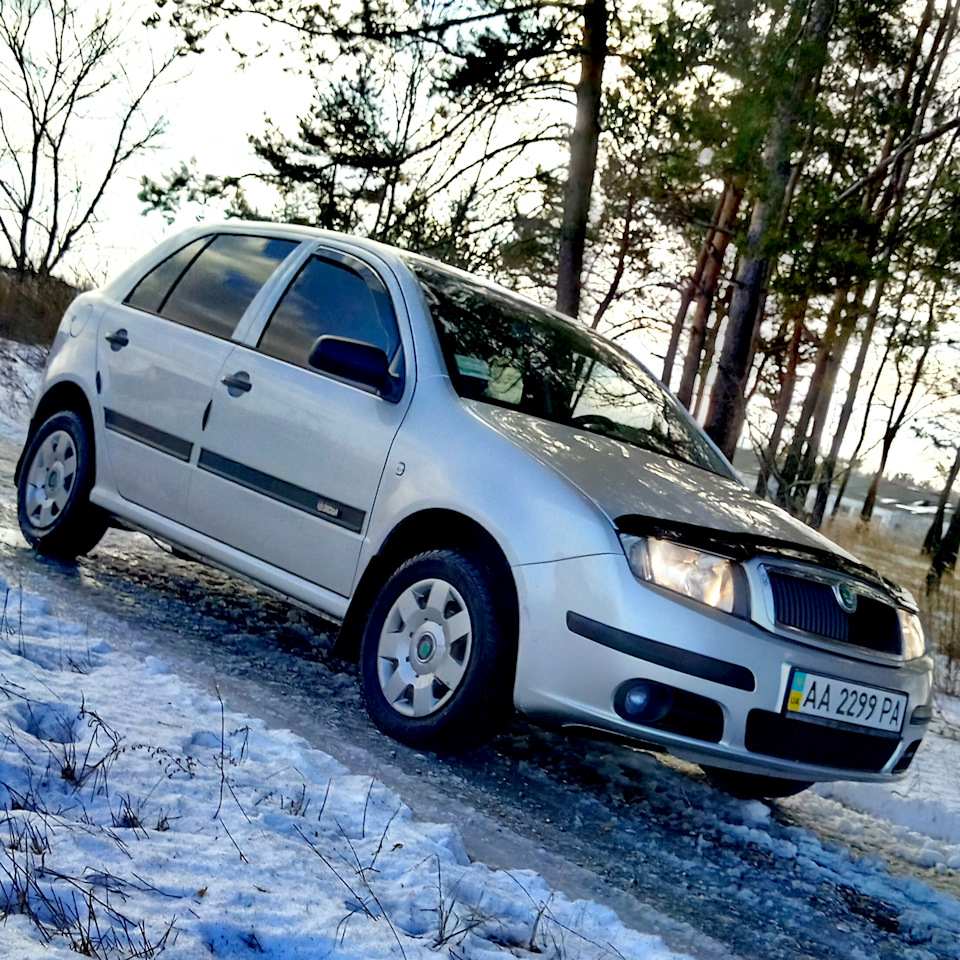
<point>845,597</point>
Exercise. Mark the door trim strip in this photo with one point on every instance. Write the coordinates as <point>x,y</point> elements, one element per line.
<point>152,436</point>
<point>315,504</point>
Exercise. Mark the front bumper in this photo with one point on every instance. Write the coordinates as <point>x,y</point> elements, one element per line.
<point>587,626</point>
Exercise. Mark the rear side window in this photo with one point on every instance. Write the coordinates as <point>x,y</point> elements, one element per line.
<point>153,288</point>
<point>218,286</point>
<point>328,297</point>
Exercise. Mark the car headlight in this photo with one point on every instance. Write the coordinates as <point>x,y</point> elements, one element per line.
<point>701,576</point>
<point>913,643</point>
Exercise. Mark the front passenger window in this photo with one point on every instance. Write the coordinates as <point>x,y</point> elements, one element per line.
<point>327,297</point>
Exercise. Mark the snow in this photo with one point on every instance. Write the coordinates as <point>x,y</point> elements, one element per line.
<point>20,370</point>
<point>141,812</point>
<point>133,796</point>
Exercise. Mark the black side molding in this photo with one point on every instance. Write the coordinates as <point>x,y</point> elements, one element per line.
<point>315,504</point>
<point>662,654</point>
<point>151,436</point>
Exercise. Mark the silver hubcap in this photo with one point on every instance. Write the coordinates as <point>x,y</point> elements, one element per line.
<point>424,648</point>
<point>50,479</point>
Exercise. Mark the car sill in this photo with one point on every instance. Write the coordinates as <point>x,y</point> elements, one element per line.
<point>218,554</point>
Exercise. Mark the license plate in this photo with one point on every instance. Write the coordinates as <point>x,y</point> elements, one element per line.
<point>814,695</point>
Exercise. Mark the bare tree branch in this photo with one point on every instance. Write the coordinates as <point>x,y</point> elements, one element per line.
<point>57,62</point>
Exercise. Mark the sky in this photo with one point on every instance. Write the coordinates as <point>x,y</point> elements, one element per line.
<point>210,107</point>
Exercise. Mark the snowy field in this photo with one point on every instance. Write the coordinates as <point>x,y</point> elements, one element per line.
<point>141,816</point>
<point>144,816</point>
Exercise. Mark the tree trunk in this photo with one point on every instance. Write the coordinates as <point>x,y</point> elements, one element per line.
<point>830,464</point>
<point>622,252</point>
<point>726,400</point>
<point>717,244</point>
<point>863,426</point>
<point>583,157</point>
<point>931,542</point>
<point>809,468</point>
<point>710,350</point>
<point>796,313</point>
<point>896,420</point>
<point>946,554</point>
<point>869,502</point>
<point>789,495</point>
<point>829,382</point>
<point>689,291</point>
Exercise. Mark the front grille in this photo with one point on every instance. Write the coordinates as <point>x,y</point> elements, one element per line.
<point>789,739</point>
<point>812,607</point>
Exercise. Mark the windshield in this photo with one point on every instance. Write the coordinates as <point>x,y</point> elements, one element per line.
<point>503,350</point>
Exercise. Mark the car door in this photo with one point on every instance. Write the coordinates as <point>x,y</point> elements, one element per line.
<point>300,453</point>
<point>159,352</point>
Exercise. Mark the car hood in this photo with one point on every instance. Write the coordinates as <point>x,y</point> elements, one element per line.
<point>630,484</point>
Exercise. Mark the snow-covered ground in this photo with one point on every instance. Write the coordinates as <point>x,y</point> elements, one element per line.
<point>20,369</point>
<point>139,812</point>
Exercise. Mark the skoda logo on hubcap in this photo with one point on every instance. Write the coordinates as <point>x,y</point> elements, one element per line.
<point>845,597</point>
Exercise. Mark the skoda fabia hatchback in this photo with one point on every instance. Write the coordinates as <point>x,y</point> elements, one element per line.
<point>503,508</point>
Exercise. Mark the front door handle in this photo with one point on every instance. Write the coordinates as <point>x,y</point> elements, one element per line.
<point>236,383</point>
<point>117,340</point>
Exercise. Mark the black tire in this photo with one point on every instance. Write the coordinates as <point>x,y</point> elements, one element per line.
<point>454,717</point>
<point>755,786</point>
<point>56,517</point>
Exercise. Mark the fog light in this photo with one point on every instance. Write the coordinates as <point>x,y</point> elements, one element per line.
<point>643,701</point>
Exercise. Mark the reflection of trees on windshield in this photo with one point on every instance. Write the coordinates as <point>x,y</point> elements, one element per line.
<point>511,353</point>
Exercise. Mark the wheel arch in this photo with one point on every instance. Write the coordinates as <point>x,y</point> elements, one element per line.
<point>64,395</point>
<point>433,529</point>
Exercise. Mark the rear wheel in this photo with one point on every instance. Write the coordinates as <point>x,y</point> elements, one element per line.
<point>53,505</point>
<point>436,661</point>
<point>755,786</point>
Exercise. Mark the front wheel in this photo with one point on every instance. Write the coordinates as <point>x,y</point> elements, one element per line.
<point>436,657</point>
<point>53,506</point>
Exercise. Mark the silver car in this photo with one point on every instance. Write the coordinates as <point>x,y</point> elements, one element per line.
<point>502,508</point>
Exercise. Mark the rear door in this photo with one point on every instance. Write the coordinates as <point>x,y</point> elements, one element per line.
<point>296,453</point>
<point>159,353</point>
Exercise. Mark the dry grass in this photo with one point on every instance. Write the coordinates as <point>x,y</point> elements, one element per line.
<point>899,557</point>
<point>31,308</point>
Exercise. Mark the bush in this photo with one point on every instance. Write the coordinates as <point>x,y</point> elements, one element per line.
<point>31,307</point>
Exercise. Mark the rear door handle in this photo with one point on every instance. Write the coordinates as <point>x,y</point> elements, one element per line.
<point>237,383</point>
<point>118,339</point>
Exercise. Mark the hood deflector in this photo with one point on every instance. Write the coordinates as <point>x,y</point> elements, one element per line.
<point>744,546</point>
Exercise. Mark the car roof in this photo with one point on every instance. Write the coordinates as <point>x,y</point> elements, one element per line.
<point>396,256</point>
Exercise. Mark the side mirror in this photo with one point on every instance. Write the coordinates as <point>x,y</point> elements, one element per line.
<point>356,361</point>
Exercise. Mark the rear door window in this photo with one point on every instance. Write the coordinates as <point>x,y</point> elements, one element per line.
<point>153,288</point>
<point>208,284</point>
<point>342,298</point>
<point>220,284</point>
